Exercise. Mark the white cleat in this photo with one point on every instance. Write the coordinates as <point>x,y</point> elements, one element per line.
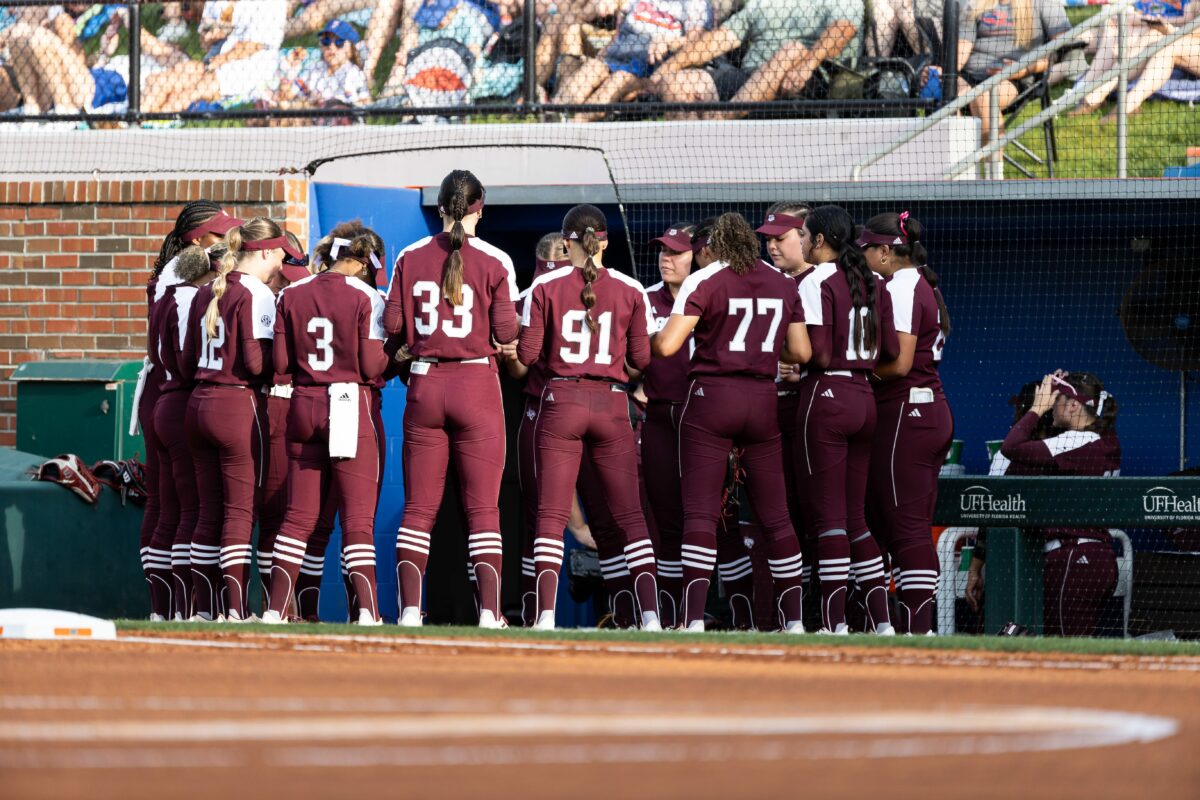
<point>695,627</point>
<point>236,619</point>
<point>841,630</point>
<point>273,618</point>
<point>410,618</point>
<point>199,618</point>
<point>885,629</point>
<point>545,621</point>
<point>795,626</point>
<point>488,621</point>
<point>157,618</point>
<point>365,617</point>
<point>650,622</point>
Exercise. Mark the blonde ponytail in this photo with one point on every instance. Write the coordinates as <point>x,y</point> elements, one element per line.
<point>229,262</point>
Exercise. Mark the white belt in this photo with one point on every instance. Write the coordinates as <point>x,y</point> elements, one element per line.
<point>284,391</point>
<point>841,373</point>
<point>1054,544</point>
<point>786,392</point>
<point>430,360</point>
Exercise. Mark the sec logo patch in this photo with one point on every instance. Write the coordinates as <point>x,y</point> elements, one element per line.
<point>266,320</point>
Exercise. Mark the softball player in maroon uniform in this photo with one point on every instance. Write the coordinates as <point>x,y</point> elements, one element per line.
<point>229,342</point>
<point>914,425</point>
<point>200,222</point>
<point>329,339</point>
<point>1079,569</point>
<point>584,322</point>
<point>745,316</point>
<point>181,504</point>
<point>665,384</point>
<point>849,318</point>
<point>781,227</point>
<point>451,295</point>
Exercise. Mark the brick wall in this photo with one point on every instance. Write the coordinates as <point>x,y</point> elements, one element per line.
<point>75,257</point>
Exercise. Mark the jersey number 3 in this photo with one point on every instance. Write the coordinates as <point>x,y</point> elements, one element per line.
<point>322,329</point>
<point>427,295</point>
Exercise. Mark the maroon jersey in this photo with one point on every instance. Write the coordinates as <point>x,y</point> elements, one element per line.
<point>329,329</point>
<point>168,326</point>
<point>743,318</point>
<point>915,311</point>
<point>666,379</point>
<point>535,379</point>
<point>430,325</point>
<point>556,331</point>
<point>826,299</point>
<point>235,356</point>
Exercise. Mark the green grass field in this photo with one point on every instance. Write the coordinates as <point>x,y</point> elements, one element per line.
<point>998,644</point>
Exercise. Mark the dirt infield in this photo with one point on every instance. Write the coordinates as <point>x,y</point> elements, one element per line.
<point>218,713</point>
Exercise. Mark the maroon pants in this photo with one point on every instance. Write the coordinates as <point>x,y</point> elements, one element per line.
<point>911,440</point>
<point>594,414</point>
<point>308,581</point>
<point>723,412</point>
<point>311,472</point>
<point>156,560</point>
<point>179,472</point>
<point>452,406</point>
<point>789,409</point>
<point>227,433</point>
<point>1077,579</point>
<point>272,498</point>
<point>664,492</point>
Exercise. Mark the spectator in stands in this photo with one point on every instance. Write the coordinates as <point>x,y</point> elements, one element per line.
<point>566,34</point>
<point>992,34</point>
<point>337,79</point>
<point>891,19</point>
<point>306,16</point>
<point>785,43</point>
<point>10,90</point>
<point>649,31</point>
<point>1153,20</point>
<point>1079,570</point>
<point>242,42</point>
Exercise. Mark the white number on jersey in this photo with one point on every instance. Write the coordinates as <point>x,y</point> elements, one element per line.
<point>575,330</point>
<point>323,329</point>
<point>940,341</point>
<point>857,351</point>
<point>745,308</point>
<point>210,345</point>
<point>428,294</point>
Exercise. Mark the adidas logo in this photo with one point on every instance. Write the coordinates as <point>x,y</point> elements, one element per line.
<point>1082,560</point>
<point>550,397</point>
<point>344,396</point>
<point>898,241</point>
<point>699,392</point>
<point>827,393</point>
<point>916,412</point>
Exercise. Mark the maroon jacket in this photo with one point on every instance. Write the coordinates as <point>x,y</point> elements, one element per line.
<point>429,324</point>
<point>329,329</point>
<point>240,353</point>
<point>743,318</point>
<point>915,311</point>
<point>828,311</point>
<point>556,332</point>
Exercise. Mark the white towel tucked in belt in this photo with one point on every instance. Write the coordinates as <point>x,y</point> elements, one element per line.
<point>134,427</point>
<point>343,420</point>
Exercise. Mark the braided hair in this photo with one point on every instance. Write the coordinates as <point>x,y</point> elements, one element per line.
<point>912,231</point>
<point>191,216</point>
<point>582,223</point>
<point>836,226</point>
<point>460,190</point>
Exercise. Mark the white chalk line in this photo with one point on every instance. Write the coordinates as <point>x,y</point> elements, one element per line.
<point>895,734</point>
<point>937,658</point>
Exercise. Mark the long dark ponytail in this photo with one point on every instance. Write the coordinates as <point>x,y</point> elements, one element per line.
<point>459,192</point>
<point>835,224</point>
<point>191,216</point>
<point>911,231</point>
<point>587,225</point>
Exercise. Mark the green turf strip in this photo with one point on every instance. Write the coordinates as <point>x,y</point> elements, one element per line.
<point>775,640</point>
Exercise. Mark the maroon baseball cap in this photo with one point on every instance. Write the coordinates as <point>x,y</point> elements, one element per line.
<point>779,224</point>
<point>291,256</point>
<point>219,224</point>
<point>674,239</point>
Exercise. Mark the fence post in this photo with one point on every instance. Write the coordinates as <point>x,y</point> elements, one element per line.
<point>996,170</point>
<point>1122,94</point>
<point>134,90</point>
<point>530,53</point>
<point>950,51</point>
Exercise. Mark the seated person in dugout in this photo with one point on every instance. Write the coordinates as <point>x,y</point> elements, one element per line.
<point>784,42</point>
<point>1079,567</point>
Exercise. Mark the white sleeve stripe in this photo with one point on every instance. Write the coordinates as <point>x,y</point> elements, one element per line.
<point>636,284</point>
<point>262,306</point>
<point>1070,440</point>
<point>903,289</point>
<point>376,302</point>
<point>810,293</point>
<point>561,272</point>
<point>503,258</point>
<point>691,282</point>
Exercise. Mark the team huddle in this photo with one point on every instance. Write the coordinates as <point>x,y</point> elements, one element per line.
<point>816,374</point>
